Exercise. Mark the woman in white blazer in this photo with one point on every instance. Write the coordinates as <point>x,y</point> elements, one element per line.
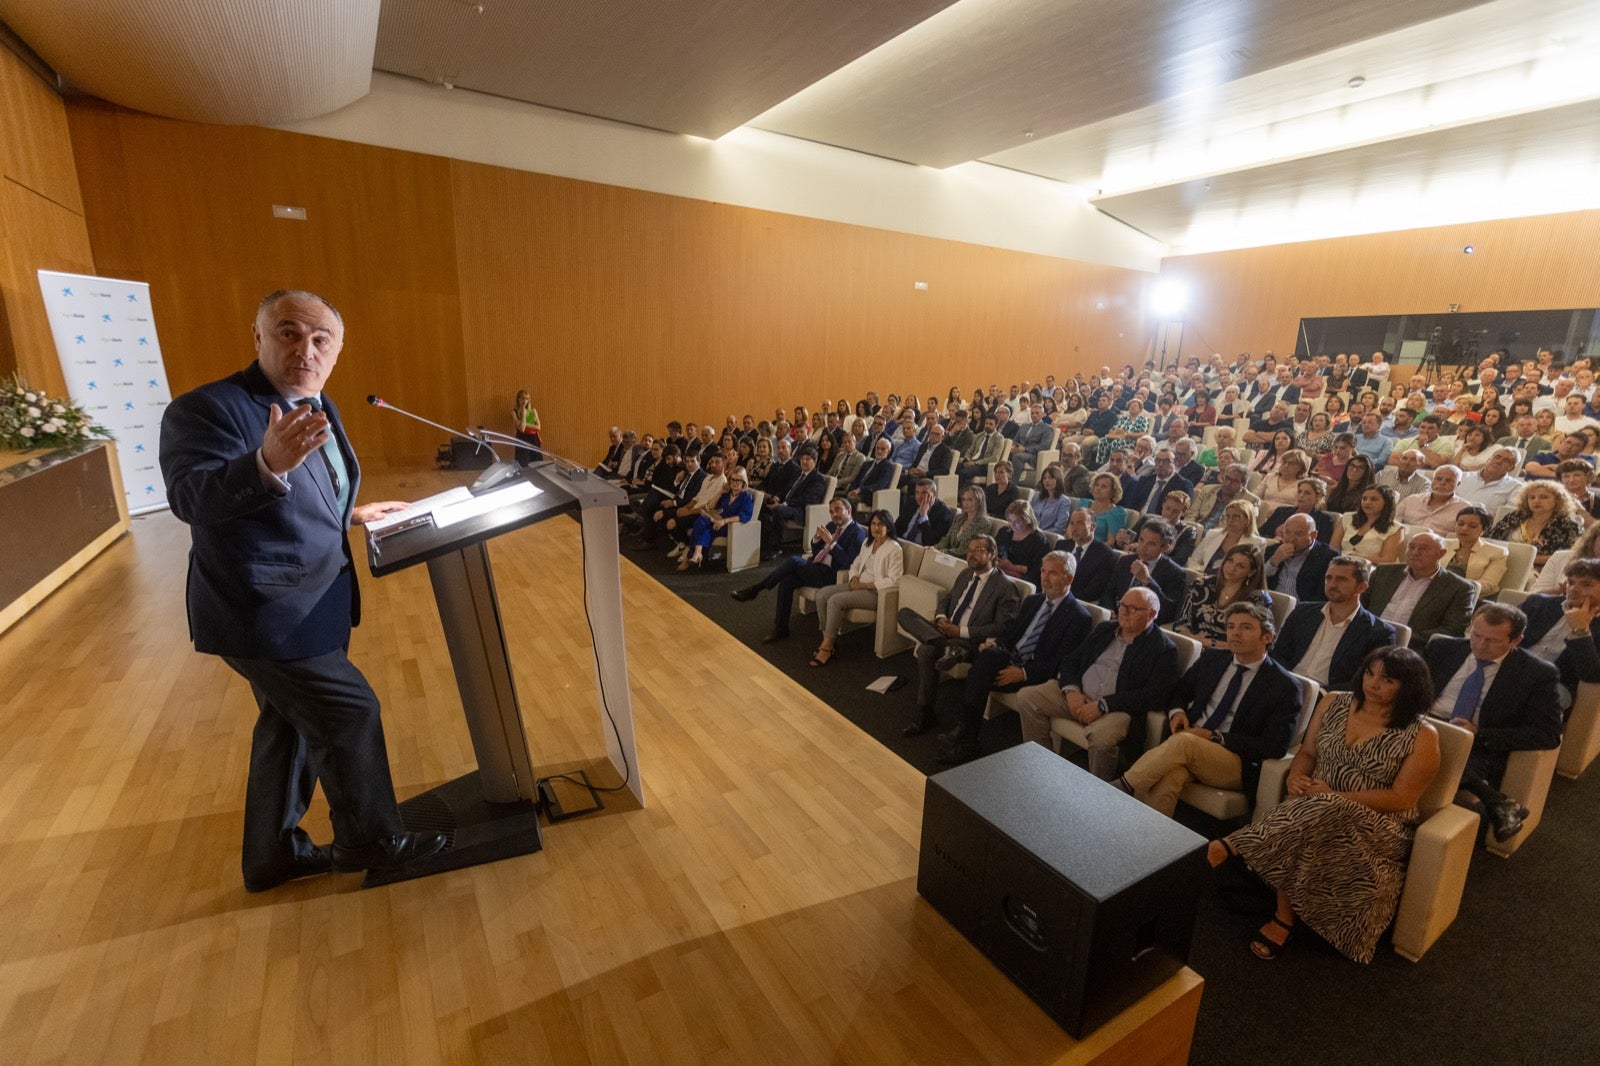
<point>1238,526</point>
<point>1473,558</point>
<point>879,565</point>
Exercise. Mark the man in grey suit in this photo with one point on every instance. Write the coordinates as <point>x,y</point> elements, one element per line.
<point>983,601</point>
<point>987,448</point>
<point>846,465</point>
<point>1422,594</point>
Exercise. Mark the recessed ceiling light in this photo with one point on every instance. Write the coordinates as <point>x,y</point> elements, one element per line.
<point>1356,82</point>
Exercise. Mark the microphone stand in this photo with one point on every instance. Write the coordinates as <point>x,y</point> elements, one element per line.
<point>499,472</point>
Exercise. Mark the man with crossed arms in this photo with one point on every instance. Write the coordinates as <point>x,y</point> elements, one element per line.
<point>1234,709</point>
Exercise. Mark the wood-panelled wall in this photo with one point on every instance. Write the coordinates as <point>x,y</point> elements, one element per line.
<point>462,283</point>
<point>1252,300</point>
<point>41,219</point>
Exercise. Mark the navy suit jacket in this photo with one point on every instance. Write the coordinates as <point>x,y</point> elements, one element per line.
<point>1168,580</point>
<point>1580,660</point>
<point>1065,630</point>
<point>1145,680</point>
<point>1264,719</point>
<point>270,577</point>
<point>1519,712</point>
<point>846,546</point>
<point>807,489</point>
<point>873,475</point>
<point>939,518</point>
<point>1362,634</point>
<point>1143,487</point>
<point>1095,569</point>
<point>1308,584</point>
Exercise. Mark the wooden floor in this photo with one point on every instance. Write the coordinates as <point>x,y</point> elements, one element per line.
<point>760,908</point>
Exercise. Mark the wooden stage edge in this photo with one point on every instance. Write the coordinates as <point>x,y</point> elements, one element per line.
<point>761,906</point>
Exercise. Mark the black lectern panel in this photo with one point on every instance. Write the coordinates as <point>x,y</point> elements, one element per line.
<point>1079,893</point>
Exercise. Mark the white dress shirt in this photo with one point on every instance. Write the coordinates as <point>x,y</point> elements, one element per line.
<point>1445,704</point>
<point>1405,598</point>
<point>1318,659</point>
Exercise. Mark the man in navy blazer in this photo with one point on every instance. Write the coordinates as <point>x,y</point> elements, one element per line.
<point>1096,562</point>
<point>873,475</point>
<point>1300,561</point>
<point>1231,710</point>
<point>1507,698</point>
<point>809,488</point>
<point>1328,641</point>
<point>834,546</point>
<point>1562,629</point>
<point>259,468</point>
<point>1149,566</point>
<point>1152,488</point>
<point>1125,667</point>
<point>924,518</point>
<point>1029,652</point>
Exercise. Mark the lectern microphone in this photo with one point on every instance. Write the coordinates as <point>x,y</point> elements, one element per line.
<point>499,472</point>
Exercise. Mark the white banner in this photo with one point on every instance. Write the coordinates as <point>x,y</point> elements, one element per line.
<point>105,333</point>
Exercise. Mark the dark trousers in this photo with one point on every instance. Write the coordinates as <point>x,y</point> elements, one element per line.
<point>980,682</point>
<point>1483,773</point>
<point>794,572</point>
<point>931,645</point>
<point>773,523</point>
<point>319,719</point>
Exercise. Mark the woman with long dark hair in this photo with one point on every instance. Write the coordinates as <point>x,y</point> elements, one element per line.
<point>1370,530</point>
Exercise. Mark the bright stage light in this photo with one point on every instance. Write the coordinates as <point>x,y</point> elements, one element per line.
<point>1168,298</point>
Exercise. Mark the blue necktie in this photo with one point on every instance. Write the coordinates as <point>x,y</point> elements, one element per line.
<point>337,471</point>
<point>1230,696</point>
<point>966,601</point>
<point>914,534</point>
<point>1471,693</point>
<point>1030,639</point>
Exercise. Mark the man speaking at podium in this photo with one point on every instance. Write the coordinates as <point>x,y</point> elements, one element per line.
<point>259,467</point>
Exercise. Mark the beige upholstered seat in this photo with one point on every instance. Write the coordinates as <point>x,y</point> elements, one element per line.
<point>1527,780</point>
<point>1581,741</point>
<point>1440,854</point>
<point>741,543</point>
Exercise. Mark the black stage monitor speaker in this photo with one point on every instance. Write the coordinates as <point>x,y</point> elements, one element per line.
<point>1078,892</point>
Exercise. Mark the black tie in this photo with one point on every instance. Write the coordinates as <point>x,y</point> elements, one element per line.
<point>966,601</point>
<point>1229,696</point>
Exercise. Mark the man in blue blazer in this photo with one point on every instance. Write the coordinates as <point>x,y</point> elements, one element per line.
<point>809,488</point>
<point>1045,627</point>
<point>1507,698</point>
<point>1152,488</point>
<point>1149,566</point>
<point>1328,641</point>
<point>1233,709</point>
<point>834,547</point>
<point>1562,629</point>
<point>1096,562</point>
<point>1299,562</point>
<point>259,467</point>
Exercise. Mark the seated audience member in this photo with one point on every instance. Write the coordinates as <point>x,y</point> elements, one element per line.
<point>1328,641</point>
<point>1095,561</point>
<point>904,445</point>
<point>1238,527</point>
<point>1031,439</point>
<point>1240,579</point>
<point>1552,576</point>
<point>1504,696</point>
<point>1185,534</point>
<point>1280,487</point>
<point>873,475</point>
<point>1437,508</point>
<point>846,464</point>
<point>1577,477</point>
<point>1149,566</point>
<point>644,468</point>
<point>1020,545</point>
<point>987,448</point>
<point>1299,561</point>
<point>1234,709</point>
<point>1492,486</point>
<point>970,519</point>
<point>1210,500</point>
<point>879,565</point>
<point>1561,627</point>
<point>1345,494</point>
<point>685,490</point>
<point>1335,850</point>
<point>958,434</point>
<point>834,546</point>
<point>618,449</point>
<point>1187,466</point>
<point>1543,515</point>
<point>1404,474</point>
<point>783,472</point>
<point>933,459</point>
<point>1104,508</point>
<point>1421,593</point>
<point>1108,680</point>
<point>1311,493</point>
<point>680,523</point>
<point>1479,561</point>
<point>1001,492</point>
<point>1152,488</point>
<point>1225,439</point>
<point>1525,438</point>
<point>807,489</point>
<point>983,601</point>
<point>1074,475</point>
<point>1051,504</point>
<point>1370,531</point>
<point>1547,464</point>
<point>646,498</point>
<point>1371,443</point>
<point>1264,430</point>
<point>734,507</point>
<point>1029,652</point>
<point>924,518</point>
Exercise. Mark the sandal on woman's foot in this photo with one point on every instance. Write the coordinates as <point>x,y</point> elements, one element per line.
<point>1229,856</point>
<point>1263,947</point>
<point>822,656</point>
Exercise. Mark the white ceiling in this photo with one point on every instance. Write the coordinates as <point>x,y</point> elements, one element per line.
<point>1204,123</point>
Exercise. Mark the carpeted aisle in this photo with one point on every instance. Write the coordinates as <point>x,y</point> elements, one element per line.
<point>1509,982</point>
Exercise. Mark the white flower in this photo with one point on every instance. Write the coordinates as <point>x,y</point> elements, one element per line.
<point>27,431</point>
<point>59,409</point>
<point>34,412</point>
<point>51,426</point>
<point>30,397</point>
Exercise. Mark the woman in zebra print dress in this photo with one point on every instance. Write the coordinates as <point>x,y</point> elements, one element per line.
<point>1336,849</point>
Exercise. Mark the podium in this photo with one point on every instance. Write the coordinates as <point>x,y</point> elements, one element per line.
<point>492,813</point>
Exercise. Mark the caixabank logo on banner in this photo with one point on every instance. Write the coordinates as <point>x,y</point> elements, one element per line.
<point>105,337</point>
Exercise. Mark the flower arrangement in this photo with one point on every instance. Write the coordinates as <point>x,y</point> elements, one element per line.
<point>30,419</point>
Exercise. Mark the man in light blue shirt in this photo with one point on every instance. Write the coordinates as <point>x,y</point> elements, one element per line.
<point>1373,444</point>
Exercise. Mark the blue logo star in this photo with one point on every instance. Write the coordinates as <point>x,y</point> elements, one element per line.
<point>144,341</point>
<point>66,292</point>
<point>153,383</point>
<point>105,318</point>
<point>79,339</point>
<point>116,362</point>
<point>93,386</point>
<point>138,448</point>
<point>133,298</point>
<point>128,406</point>
<point>149,488</point>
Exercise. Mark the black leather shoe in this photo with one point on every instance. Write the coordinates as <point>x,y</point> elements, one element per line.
<point>402,849</point>
<point>746,594</point>
<point>924,722</point>
<point>1505,818</point>
<point>957,753</point>
<point>320,861</point>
